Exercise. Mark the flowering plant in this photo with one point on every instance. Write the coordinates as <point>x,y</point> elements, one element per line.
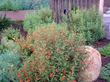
<point>55,56</point>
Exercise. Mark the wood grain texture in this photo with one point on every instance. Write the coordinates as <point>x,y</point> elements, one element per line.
<point>58,6</point>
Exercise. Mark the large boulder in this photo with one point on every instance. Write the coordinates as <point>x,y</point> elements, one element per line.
<point>92,65</point>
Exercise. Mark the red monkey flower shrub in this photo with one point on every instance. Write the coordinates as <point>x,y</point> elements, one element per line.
<point>55,56</point>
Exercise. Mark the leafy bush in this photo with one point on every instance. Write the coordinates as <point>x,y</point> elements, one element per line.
<point>87,22</point>
<point>11,33</point>
<point>4,23</point>
<point>8,45</point>
<point>38,18</point>
<point>8,40</point>
<point>55,55</point>
<point>9,64</point>
<point>105,73</point>
<point>2,49</point>
<point>105,51</point>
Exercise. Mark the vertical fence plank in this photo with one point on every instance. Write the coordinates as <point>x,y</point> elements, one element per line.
<point>86,5</point>
<point>58,6</point>
<point>101,6</point>
<point>55,2</point>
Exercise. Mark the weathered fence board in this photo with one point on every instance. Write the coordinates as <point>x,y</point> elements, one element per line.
<point>60,7</point>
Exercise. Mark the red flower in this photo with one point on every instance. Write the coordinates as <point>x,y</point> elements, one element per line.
<point>57,70</point>
<point>74,81</point>
<point>51,75</point>
<point>18,75</point>
<point>33,50</point>
<point>20,80</point>
<point>31,68</point>
<point>22,71</point>
<point>48,54</point>
<point>62,78</point>
<point>25,74</point>
<point>28,80</point>
<point>72,70</point>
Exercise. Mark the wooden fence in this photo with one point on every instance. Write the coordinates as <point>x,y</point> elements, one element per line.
<point>60,7</point>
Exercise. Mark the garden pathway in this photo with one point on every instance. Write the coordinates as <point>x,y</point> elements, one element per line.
<point>16,15</point>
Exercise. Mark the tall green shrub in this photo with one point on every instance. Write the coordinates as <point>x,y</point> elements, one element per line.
<point>38,18</point>
<point>88,22</point>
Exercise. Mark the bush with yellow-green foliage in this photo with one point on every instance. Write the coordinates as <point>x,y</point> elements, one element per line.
<point>38,18</point>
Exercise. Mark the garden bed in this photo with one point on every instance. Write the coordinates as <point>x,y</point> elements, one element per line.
<point>101,43</point>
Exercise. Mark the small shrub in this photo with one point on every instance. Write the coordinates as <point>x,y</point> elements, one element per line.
<point>8,40</point>
<point>38,18</point>
<point>105,51</point>
<point>105,73</point>
<point>55,56</point>
<point>88,22</point>
<point>8,45</point>
<point>11,33</point>
<point>9,64</point>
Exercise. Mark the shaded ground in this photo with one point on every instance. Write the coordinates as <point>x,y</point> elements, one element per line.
<point>105,60</point>
<point>101,43</point>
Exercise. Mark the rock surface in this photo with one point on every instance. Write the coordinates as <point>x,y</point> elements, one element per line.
<point>92,65</point>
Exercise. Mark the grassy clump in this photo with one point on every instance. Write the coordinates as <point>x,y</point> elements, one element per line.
<point>105,51</point>
<point>105,72</point>
<point>39,18</point>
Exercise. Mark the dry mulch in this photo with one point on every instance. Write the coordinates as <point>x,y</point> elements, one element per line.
<point>99,44</point>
